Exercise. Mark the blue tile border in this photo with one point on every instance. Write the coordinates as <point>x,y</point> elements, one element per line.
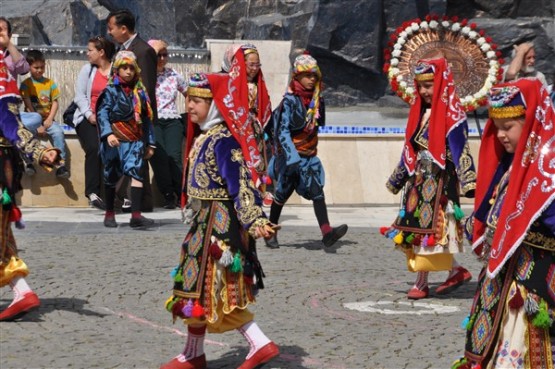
<point>369,130</point>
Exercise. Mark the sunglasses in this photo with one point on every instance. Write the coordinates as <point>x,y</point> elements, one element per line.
<point>162,55</point>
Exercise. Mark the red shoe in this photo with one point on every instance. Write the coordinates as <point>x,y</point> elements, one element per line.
<point>417,294</point>
<point>29,302</point>
<point>179,362</point>
<point>461,277</point>
<point>261,357</point>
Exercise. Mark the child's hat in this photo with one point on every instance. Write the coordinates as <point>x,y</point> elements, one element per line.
<point>199,86</point>
<point>423,71</point>
<point>305,63</point>
<point>126,57</point>
<point>506,102</point>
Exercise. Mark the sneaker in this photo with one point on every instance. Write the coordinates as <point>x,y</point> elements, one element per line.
<point>141,223</point>
<point>30,169</point>
<point>169,201</point>
<point>272,242</point>
<point>335,234</point>
<point>110,223</point>
<point>96,201</point>
<point>452,283</point>
<point>126,207</point>
<point>62,172</point>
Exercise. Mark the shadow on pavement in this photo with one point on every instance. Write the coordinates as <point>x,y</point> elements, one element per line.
<point>290,357</point>
<point>49,305</point>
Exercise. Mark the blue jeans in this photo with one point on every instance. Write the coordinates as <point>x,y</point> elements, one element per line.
<point>32,121</point>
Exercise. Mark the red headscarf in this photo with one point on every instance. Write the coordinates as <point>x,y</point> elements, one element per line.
<point>531,186</point>
<point>447,114</point>
<point>8,84</point>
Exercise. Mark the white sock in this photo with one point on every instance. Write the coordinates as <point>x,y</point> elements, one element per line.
<point>20,288</point>
<point>421,280</point>
<point>195,344</point>
<point>454,268</point>
<point>255,337</point>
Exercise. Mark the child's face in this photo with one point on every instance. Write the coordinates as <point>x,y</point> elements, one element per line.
<point>253,66</point>
<point>426,91</point>
<point>198,108</point>
<point>37,69</point>
<point>509,131</point>
<point>127,73</point>
<point>307,80</point>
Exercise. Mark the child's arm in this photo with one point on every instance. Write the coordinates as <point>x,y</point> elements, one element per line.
<point>28,105</point>
<point>50,119</point>
<point>106,101</point>
<point>284,133</point>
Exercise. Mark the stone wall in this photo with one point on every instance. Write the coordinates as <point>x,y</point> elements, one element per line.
<point>346,36</point>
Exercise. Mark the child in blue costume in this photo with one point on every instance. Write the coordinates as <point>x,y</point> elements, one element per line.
<point>513,232</point>
<point>295,166</point>
<point>124,118</point>
<point>219,273</point>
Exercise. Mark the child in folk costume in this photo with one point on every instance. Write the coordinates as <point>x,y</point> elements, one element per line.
<point>219,273</point>
<point>15,141</point>
<point>513,232</point>
<point>244,61</point>
<point>126,134</point>
<point>295,165</point>
<point>435,167</point>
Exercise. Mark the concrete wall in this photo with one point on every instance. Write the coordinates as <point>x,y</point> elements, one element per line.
<point>356,168</point>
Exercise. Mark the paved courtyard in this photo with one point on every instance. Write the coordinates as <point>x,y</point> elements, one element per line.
<point>103,290</point>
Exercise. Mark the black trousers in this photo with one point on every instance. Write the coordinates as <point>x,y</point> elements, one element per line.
<point>88,137</point>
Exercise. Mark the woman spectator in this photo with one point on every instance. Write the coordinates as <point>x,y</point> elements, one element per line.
<point>169,130</point>
<point>91,81</point>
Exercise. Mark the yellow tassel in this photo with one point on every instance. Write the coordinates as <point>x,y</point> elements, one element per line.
<point>398,239</point>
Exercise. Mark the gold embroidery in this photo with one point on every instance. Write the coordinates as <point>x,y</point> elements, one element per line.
<point>539,240</point>
<point>200,175</point>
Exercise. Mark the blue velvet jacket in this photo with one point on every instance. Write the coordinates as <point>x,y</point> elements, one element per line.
<point>217,171</point>
<point>291,122</point>
<point>115,105</point>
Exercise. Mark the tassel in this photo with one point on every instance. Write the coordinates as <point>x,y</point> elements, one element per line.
<point>237,266</point>
<point>188,309</point>
<point>391,235</point>
<point>459,363</point>
<point>477,366</point>
<point>465,322</point>
<point>398,239</point>
<point>267,180</point>
<point>383,230</point>
<point>6,199</point>
<point>417,213</point>
<point>542,318</point>
<point>425,240</point>
<point>226,259</point>
<point>516,302</point>
<point>443,201</point>
<point>409,238</point>
<point>178,277</point>
<point>431,241</point>
<point>417,240</point>
<point>530,305</point>
<point>449,209</point>
<point>15,214</point>
<point>177,309</point>
<point>197,311</point>
<point>174,272</point>
<point>459,214</point>
<point>470,323</point>
<point>169,304</point>
<point>215,251</point>
<point>402,213</point>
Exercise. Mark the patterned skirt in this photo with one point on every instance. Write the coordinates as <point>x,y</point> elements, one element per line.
<point>510,323</point>
<point>219,271</point>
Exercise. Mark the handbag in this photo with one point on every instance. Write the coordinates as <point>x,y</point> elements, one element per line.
<point>69,113</point>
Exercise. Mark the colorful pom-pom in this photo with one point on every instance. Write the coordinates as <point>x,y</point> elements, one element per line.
<point>402,213</point>
<point>417,240</point>
<point>398,239</point>
<point>516,302</point>
<point>425,240</point>
<point>15,214</point>
<point>169,303</point>
<point>226,259</point>
<point>237,265</point>
<point>431,241</point>
<point>188,309</point>
<point>174,272</point>
<point>383,230</point>
<point>178,277</point>
<point>198,311</point>
<point>409,238</point>
<point>267,180</point>
<point>177,307</point>
<point>215,251</point>
<point>542,318</point>
<point>465,322</point>
<point>531,306</point>
<point>417,213</point>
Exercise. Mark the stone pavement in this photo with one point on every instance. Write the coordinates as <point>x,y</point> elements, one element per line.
<point>103,291</point>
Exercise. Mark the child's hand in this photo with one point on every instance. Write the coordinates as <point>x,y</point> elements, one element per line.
<point>149,152</point>
<point>266,231</point>
<point>41,131</point>
<point>47,123</point>
<point>112,141</point>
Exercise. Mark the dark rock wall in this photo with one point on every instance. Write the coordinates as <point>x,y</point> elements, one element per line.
<point>346,36</point>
